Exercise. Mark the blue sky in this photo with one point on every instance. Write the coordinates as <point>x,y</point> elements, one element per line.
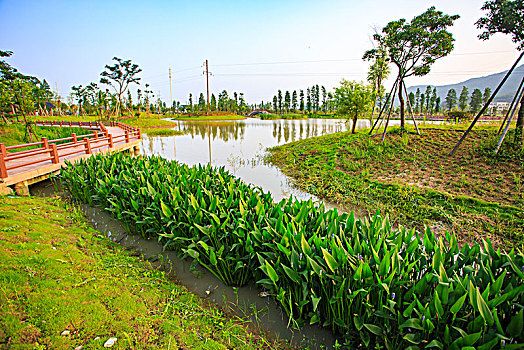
<point>255,47</point>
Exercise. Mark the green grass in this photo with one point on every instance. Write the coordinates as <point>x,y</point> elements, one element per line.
<point>411,177</point>
<point>162,132</point>
<point>59,274</point>
<point>14,134</point>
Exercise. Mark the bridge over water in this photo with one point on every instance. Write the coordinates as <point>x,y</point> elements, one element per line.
<point>21,168</point>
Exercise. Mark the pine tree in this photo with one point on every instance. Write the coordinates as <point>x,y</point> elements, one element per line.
<point>294,100</point>
<point>301,101</point>
<point>476,100</point>
<point>279,101</point>
<point>451,99</point>
<point>463,98</point>
<point>287,101</point>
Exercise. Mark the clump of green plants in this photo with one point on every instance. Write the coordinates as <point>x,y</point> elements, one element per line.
<point>374,284</point>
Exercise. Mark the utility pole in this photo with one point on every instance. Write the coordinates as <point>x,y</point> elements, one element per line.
<point>207,83</point>
<point>170,91</point>
<point>57,97</point>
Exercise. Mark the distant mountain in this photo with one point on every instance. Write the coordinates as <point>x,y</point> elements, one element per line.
<point>505,94</point>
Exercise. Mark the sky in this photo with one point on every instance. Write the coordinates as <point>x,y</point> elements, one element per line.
<point>254,47</point>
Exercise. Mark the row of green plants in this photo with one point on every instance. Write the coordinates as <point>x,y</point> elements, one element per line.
<point>375,285</point>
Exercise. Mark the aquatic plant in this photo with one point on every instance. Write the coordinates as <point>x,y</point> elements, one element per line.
<point>366,280</point>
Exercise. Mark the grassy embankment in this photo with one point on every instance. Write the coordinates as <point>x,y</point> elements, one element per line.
<point>209,117</point>
<point>65,286</point>
<point>474,193</point>
<point>271,116</point>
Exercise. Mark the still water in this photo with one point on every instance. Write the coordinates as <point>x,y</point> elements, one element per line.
<point>240,147</point>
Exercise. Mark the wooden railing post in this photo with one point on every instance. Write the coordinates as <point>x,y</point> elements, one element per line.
<point>54,154</point>
<point>139,134</point>
<point>75,140</point>
<point>80,124</point>
<point>88,146</point>
<point>127,136</point>
<point>110,141</point>
<point>3,167</point>
<point>95,134</point>
<point>45,143</point>
<point>70,124</point>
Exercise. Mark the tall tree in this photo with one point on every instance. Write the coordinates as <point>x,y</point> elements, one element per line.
<point>287,101</point>
<point>353,99</point>
<point>279,101</point>
<point>413,47</point>
<point>437,104</point>
<point>476,100</point>
<point>451,99</point>
<point>119,76</point>
<point>417,101</point>
<point>324,98</point>
<point>213,102</point>
<point>463,98</point>
<point>294,100</point>
<point>301,101</point>
<point>308,103</point>
<point>486,95</point>
<point>275,104</point>
<point>507,17</point>
<point>428,98</point>
<point>433,100</point>
<point>378,71</point>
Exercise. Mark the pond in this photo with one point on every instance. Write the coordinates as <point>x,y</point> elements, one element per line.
<point>240,146</point>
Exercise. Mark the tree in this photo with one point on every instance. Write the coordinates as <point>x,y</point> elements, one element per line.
<point>463,98</point>
<point>275,103</point>
<point>428,98</point>
<point>294,100</point>
<point>287,101</point>
<point>417,101</point>
<point>507,17</point>
<point>422,103</point>
<point>411,97</point>
<point>302,101</point>
<point>451,99</point>
<point>413,47</point>
<point>476,100</point>
<point>308,102</point>
<point>353,99</point>
<point>433,100</point>
<point>378,71</point>
<point>280,101</point>
<point>119,76</point>
<point>486,95</point>
<point>324,98</point>
<point>437,104</point>
<point>213,102</point>
<point>201,102</point>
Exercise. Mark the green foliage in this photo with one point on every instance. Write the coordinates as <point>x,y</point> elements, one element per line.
<point>353,99</point>
<point>451,99</point>
<point>476,100</point>
<point>503,17</point>
<point>372,283</point>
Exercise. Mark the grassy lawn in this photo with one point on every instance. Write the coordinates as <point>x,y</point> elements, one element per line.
<point>14,134</point>
<point>210,117</point>
<point>152,125</point>
<point>411,177</point>
<point>65,286</point>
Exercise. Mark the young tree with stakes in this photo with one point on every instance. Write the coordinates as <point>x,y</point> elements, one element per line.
<point>119,76</point>
<point>413,47</point>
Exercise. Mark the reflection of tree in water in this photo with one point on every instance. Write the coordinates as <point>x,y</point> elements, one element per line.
<point>222,131</point>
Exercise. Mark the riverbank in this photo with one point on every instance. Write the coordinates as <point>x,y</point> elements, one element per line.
<point>473,194</point>
<point>209,117</point>
<point>66,286</point>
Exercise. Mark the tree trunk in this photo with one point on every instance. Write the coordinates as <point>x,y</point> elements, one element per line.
<point>355,119</point>
<point>402,112</point>
<point>520,126</point>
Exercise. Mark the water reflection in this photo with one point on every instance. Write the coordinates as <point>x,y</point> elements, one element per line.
<point>240,147</point>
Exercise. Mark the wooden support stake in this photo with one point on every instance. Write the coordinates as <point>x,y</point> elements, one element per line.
<point>127,136</point>
<point>516,107</point>
<point>54,154</point>
<point>389,114</point>
<point>410,108</point>
<point>511,106</point>
<point>384,106</point>
<point>486,104</point>
<point>75,140</point>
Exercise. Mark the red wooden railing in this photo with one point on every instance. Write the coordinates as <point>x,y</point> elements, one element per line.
<point>51,151</point>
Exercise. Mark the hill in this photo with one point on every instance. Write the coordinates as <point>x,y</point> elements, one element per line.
<point>491,81</point>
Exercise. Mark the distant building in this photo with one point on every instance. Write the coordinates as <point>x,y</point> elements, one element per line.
<point>497,108</point>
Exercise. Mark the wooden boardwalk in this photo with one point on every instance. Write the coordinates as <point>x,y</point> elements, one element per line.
<point>19,169</point>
